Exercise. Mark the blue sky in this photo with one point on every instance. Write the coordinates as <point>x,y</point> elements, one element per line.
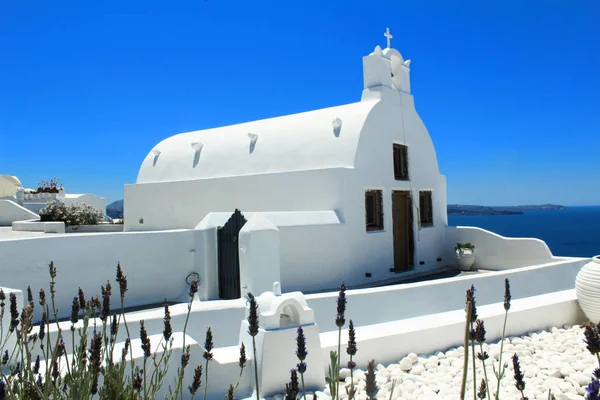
<point>508,89</point>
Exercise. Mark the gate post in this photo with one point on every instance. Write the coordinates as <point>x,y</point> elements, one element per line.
<point>259,255</point>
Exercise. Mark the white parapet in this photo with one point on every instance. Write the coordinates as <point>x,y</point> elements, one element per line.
<point>390,341</point>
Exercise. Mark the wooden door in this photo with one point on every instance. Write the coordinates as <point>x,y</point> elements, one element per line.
<point>402,216</point>
<point>229,256</point>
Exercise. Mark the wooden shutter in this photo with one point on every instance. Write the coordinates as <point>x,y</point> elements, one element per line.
<point>425,208</point>
<point>429,208</point>
<point>404,162</point>
<point>379,209</point>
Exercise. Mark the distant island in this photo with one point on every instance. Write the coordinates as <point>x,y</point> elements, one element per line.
<point>458,209</point>
<point>115,209</point>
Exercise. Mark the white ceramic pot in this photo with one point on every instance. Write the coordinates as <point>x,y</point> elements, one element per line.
<point>465,258</point>
<point>587,288</point>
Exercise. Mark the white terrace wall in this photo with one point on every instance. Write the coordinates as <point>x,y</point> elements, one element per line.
<point>396,302</point>
<point>495,252</point>
<point>156,264</point>
<point>375,305</point>
<point>10,212</point>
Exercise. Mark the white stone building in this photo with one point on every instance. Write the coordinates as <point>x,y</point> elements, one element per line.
<point>354,190</point>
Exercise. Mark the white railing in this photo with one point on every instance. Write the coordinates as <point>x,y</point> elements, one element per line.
<point>40,196</point>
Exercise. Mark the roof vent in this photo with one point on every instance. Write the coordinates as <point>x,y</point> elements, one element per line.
<point>156,153</point>
<point>337,126</point>
<point>197,146</point>
<point>253,138</point>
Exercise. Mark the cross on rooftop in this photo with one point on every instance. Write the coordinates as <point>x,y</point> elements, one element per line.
<point>389,37</point>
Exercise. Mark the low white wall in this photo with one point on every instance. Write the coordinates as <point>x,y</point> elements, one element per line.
<point>39,226</point>
<point>156,264</point>
<point>10,212</point>
<point>495,252</point>
<point>374,305</point>
<point>389,342</point>
<point>95,228</point>
<point>395,302</point>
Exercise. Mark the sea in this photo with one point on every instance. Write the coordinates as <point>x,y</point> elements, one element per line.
<point>574,232</point>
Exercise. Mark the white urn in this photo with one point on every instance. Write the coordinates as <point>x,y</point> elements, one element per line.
<point>465,258</point>
<point>587,288</point>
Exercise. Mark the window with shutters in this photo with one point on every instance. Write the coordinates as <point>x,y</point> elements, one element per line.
<point>400,162</point>
<point>374,210</point>
<point>426,208</point>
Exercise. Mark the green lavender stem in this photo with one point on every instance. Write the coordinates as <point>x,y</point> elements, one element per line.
<point>463,386</point>
<point>500,366</point>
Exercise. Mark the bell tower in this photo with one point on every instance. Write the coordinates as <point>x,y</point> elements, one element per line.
<point>386,68</point>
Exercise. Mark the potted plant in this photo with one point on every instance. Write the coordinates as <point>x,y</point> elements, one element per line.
<point>465,255</point>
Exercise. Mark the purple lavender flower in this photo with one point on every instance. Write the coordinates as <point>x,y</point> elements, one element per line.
<point>519,381</point>
<point>479,331</point>
<point>341,306</point>
<point>168,331</point>
<point>146,347</point>
<point>242,360</point>
<point>371,384</point>
<point>253,316</point>
<point>121,280</point>
<point>591,337</point>
<point>593,390</point>
<point>74,312</point>
<point>193,388</point>
<point>471,301</point>
<point>506,295</point>
<point>292,388</point>
<point>208,345</point>
<point>351,349</point>
<point>481,393</point>
<point>301,345</point>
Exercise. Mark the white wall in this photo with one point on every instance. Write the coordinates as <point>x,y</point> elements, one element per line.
<point>156,264</point>
<point>10,212</point>
<point>99,203</point>
<point>395,302</point>
<point>374,305</point>
<point>390,341</point>
<point>495,252</point>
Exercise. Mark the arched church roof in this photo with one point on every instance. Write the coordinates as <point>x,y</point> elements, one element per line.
<point>305,141</point>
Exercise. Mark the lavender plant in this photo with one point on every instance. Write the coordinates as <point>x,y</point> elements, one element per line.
<point>208,355</point>
<point>301,353</point>
<point>519,380</point>
<point>351,349</point>
<point>253,331</point>
<point>340,321</point>
<point>291,388</point>
<point>371,384</point>
<point>242,364</point>
<point>502,367</point>
<point>39,366</point>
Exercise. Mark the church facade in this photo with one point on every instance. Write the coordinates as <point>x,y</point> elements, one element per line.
<point>355,190</point>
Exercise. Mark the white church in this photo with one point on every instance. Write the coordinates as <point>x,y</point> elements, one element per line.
<point>354,191</point>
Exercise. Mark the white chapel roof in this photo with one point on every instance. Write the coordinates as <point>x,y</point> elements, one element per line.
<point>304,141</point>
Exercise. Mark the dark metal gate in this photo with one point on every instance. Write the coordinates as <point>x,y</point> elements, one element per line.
<point>229,257</point>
